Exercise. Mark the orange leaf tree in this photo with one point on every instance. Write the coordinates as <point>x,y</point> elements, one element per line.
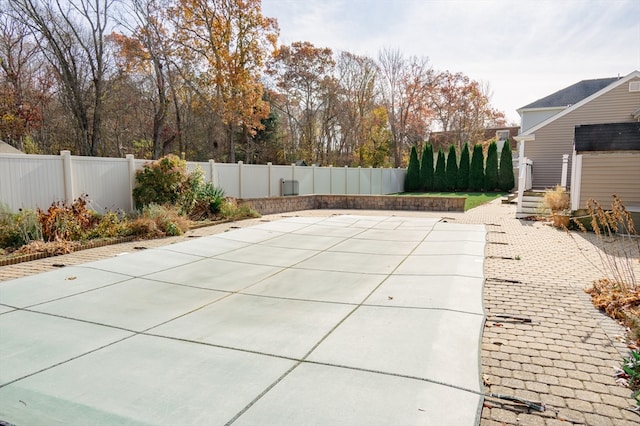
<point>225,43</point>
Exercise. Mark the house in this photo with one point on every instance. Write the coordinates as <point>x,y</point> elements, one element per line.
<point>583,137</point>
<point>5,148</point>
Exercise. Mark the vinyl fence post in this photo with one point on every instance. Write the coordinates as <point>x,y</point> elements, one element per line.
<point>132,180</point>
<point>67,176</point>
<point>330,179</point>
<point>269,164</point>
<point>313,178</point>
<point>346,180</point>
<point>240,179</point>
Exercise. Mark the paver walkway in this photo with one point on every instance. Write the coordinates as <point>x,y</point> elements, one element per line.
<point>562,353</point>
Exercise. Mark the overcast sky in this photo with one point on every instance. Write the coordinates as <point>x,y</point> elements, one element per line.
<point>524,49</point>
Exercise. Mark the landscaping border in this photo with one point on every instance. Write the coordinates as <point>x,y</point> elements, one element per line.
<point>273,205</point>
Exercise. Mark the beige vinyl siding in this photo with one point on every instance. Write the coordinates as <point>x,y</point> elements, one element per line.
<point>605,174</point>
<point>556,138</point>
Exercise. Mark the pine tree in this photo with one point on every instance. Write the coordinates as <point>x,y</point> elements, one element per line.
<point>476,169</point>
<point>506,179</point>
<point>412,180</point>
<point>491,169</point>
<point>426,168</point>
<point>439,176</point>
<point>451,175</point>
<point>462,183</point>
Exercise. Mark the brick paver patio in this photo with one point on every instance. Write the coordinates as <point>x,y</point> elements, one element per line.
<point>543,340</point>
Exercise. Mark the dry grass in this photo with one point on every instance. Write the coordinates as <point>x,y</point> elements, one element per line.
<point>557,199</point>
<point>618,292</point>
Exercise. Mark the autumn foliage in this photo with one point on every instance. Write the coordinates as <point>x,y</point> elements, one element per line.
<point>210,79</point>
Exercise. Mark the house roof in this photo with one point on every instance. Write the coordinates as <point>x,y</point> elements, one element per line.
<point>608,137</point>
<point>528,135</point>
<point>572,94</point>
<point>5,148</point>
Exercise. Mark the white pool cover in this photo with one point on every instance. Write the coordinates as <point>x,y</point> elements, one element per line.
<point>349,320</point>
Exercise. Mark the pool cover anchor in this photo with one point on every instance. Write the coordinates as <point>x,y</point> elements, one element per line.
<point>538,406</point>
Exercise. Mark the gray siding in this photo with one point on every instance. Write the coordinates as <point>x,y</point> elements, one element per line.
<point>556,138</point>
<point>605,174</point>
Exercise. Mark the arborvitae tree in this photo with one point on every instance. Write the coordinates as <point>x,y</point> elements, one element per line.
<point>426,168</point>
<point>462,183</point>
<point>439,176</point>
<point>412,180</point>
<point>491,169</point>
<point>451,175</point>
<point>476,169</point>
<point>506,180</point>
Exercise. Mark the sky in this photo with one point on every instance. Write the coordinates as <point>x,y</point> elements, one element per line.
<point>524,49</point>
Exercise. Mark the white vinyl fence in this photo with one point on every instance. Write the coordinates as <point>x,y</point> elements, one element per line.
<point>36,181</point>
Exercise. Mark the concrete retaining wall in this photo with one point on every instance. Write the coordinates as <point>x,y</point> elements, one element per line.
<point>273,205</point>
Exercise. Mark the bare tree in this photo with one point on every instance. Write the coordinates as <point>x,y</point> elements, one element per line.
<point>405,87</point>
<point>462,108</point>
<point>72,34</point>
<point>357,78</point>
<point>19,71</point>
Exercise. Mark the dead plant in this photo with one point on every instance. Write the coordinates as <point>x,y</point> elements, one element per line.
<point>618,292</point>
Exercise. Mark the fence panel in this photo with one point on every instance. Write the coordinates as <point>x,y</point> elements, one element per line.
<point>376,181</point>
<point>353,180</point>
<point>30,181</point>
<point>227,177</point>
<point>304,175</point>
<point>365,181</point>
<point>338,180</point>
<point>104,180</point>
<point>322,182</point>
<point>279,173</point>
<point>255,181</point>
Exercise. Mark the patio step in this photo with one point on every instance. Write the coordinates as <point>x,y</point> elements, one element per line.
<point>533,205</point>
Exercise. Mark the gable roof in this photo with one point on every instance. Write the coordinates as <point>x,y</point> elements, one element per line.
<point>572,94</point>
<point>5,148</point>
<point>606,89</point>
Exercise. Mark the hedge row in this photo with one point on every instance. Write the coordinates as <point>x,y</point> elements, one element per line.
<point>459,173</point>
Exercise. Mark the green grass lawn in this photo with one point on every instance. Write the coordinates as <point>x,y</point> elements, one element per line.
<point>474,199</point>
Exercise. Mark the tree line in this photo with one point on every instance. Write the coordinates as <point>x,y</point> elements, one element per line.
<point>460,172</point>
<point>208,78</point>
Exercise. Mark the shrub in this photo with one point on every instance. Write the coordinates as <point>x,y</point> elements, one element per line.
<point>476,169</point>
<point>158,221</point>
<point>63,222</point>
<point>164,181</point>
<point>557,199</point>
<point>412,180</point>
<point>207,202</point>
<point>232,211</point>
<point>109,226</point>
<point>462,182</point>
<point>451,175</point>
<point>631,368</point>
<point>491,169</point>
<point>18,229</point>
<point>506,179</point>
<point>439,176</point>
<point>426,168</point>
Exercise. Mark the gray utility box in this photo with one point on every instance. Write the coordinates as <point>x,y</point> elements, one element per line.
<point>289,187</point>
